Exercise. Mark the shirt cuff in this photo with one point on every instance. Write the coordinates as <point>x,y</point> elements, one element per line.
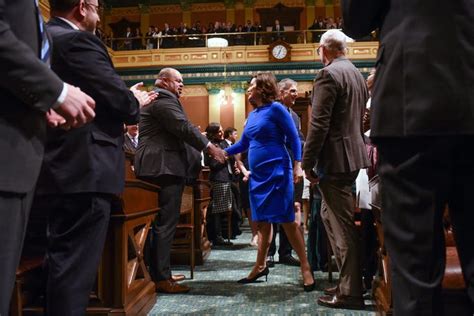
<point>62,97</point>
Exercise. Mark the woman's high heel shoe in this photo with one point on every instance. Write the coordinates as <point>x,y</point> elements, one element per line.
<point>262,273</point>
<point>309,287</point>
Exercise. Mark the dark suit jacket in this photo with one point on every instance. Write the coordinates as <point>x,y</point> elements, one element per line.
<point>90,158</point>
<point>424,83</point>
<point>28,88</point>
<point>297,121</point>
<point>335,139</point>
<point>219,171</point>
<point>164,129</point>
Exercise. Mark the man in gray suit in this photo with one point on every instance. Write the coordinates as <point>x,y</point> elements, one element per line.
<point>422,122</point>
<point>335,145</point>
<point>29,91</point>
<point>161,158</point>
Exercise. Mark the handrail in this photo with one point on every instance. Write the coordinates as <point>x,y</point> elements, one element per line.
<point>234,38</point>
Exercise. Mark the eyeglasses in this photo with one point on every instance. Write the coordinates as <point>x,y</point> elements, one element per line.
<point>318,50</point>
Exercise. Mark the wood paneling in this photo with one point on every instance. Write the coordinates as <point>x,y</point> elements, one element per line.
<point>197,109</point>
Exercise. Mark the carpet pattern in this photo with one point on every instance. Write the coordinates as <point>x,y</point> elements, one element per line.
<point>214,290</point>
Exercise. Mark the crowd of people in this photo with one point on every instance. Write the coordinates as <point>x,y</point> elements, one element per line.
<point>185,35</point>
<point>65,108</point>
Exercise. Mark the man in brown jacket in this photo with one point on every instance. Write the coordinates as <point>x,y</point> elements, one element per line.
<point>335,147</point>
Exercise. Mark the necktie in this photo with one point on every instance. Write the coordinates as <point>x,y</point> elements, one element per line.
<point>134,142</point>
<point>45,46</point>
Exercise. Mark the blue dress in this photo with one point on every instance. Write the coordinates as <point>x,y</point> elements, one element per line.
<point>268,129</point>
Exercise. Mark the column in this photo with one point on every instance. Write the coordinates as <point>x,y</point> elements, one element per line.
<point>144,17</point>
<point>229,10</point>
<point>214,90</point>
<point>309,18</point>
<point>249,10</point>
<point>329,8</point>
<point>238,94</point>
<point>186,9</point>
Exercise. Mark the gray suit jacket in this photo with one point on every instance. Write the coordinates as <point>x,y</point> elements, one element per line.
<point>335,140</point>
<point>164,130</point>
<point>424,83</point>
<point>28,88</point>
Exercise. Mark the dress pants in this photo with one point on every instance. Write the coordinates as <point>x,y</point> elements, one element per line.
<point>337,213</point>
<point>76,232</point>
<point>419,176</point>
<point>164,225</point>
<point>14,212</point>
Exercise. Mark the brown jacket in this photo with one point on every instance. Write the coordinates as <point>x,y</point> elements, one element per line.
<point>335,142</point>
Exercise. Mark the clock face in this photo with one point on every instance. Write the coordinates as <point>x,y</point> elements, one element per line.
<point>279,51</point>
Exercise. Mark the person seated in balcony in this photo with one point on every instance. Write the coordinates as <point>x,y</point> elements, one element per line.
<point>239,38</point>
<point>149,40</point>
<point>167,42</point>
<point>279,31</point>
<point>127,43</point>
<point>258,28</point>
<point>137,39</point>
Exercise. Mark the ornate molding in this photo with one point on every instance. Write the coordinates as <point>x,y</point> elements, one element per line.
<point>205,7</point>
<point>144,8</point>
<point>229,4</point>
<point>272,3</point>
<point>185,5</point>
<point>214,87</point>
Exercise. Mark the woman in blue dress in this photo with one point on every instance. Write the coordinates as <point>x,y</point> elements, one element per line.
<point>269,127</point>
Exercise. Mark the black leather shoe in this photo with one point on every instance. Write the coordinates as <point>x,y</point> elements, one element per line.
<point>331,290</point>
<point>289,260</point>
<point>270,262</point>
<point>342,301</point>
<point>219,241</point>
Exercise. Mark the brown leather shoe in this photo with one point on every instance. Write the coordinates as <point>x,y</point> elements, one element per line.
<point>342,301</point>
<point>178,277</point>
<point>169,286</point>
<point>331,290</point>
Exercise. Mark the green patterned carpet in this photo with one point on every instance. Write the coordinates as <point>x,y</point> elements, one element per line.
<point>214,290</point>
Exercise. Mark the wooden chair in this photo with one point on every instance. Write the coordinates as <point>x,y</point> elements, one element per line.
<point>183,243</point>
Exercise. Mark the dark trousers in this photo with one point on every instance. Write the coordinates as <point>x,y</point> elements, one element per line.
<point>419,176</point>
<point>76,231</point>
<point>317,240</point>
<point>14,212</point>
<point>164,226</point>
<point>369,246</point>
<point>284,248</point>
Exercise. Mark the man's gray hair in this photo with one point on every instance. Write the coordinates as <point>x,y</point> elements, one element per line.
<point>335,40</point>
<point>286,83</point>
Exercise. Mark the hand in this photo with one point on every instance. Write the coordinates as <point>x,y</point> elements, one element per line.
<point>236,171</point>
<point>309,174</point>
<point>77,109</point>
<point>217,153</point>
<point>246,175</point>
<point>297,172</point>
<point>144,98</point>
<point>54,119</point>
